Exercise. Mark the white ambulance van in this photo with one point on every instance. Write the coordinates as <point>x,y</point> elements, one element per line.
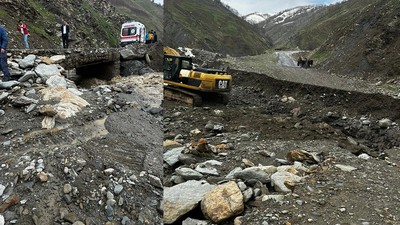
<point>132,32</point>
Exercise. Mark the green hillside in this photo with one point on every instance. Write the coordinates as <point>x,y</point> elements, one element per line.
<point>145,11</point>
<point>92,23</point>
<point>354,37</point>
<point>363,38</point>
<point>207,24</point>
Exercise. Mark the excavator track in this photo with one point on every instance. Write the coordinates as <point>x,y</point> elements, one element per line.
<point>174,93</point>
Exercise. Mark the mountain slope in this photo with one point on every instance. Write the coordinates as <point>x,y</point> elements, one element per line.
<point>92,23</point>
<point>352,37</point>
<point>145,11</point>
<point>207,24</point>
<point>363,37</point>
<point>282,26</point>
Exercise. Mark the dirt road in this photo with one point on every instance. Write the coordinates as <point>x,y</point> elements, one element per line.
<point>270,65</point>
<point>285,58</point>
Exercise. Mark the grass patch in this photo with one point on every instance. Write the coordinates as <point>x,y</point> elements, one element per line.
<point>3,13</point>
<point>106,28</point>
<point>321,55</point>
<point>85,5</point>
<point>48,16</point>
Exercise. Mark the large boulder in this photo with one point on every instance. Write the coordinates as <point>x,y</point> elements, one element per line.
<point>171,157</point>
<point>27,62</point>
<point>223,202</point>
<point>56,59</point>
<point>69,103</point>
<point>27,75</point>
<point>131,67</point>
<point>182,198</point>
<point>188,174</point>
<point>46,71</point>
<point>279,179</point>
<point>190,221</point>
<point>8,84</point>
<point>56,81</point>
<point>127,54</point>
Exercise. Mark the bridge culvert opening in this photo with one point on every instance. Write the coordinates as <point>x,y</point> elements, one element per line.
<point>89,75</point>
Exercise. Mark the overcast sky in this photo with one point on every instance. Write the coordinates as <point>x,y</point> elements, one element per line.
<point>159,1</point>
<point>245,7</point>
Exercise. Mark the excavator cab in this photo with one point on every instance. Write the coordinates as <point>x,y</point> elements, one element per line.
<point>173,66</point>
<point>185,82</point>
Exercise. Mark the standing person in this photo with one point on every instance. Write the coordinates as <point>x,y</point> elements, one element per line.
<point>65,34</point>
<point>300,61</point>
<point>3,54</point>
<point>146,38</point>
<point>24,31</point>
<point>305,63</point>
<point>154,37</point>
<point>150,37</point>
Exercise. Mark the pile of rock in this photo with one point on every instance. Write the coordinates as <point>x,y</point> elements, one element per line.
<point>108,190</point>
<point>63,173</point>
<point>196,184</point>
<point>226,200</point>
<point>42,80</point>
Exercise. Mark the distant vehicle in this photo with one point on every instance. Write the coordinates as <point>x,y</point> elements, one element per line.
<point>132,32</point>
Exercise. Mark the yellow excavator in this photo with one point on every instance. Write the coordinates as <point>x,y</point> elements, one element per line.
<point>185,82</point>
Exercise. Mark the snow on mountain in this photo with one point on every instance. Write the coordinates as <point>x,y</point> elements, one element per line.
<point>256,17</point>
<point>283,16</point>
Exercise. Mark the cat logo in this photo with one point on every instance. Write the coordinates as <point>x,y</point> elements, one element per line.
<point>222,84</point>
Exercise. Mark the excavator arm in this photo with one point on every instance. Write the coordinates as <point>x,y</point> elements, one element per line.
<point>170,51</point>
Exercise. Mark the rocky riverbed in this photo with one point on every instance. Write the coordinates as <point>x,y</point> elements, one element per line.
<point>79,155</point>
<point>282,153</point>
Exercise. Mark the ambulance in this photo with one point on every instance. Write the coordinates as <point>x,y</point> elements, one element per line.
<point>132,32</point>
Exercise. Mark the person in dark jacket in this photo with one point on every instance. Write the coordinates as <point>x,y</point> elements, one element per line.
<point>65,34</point>
<point>154,37</point>
<point>3,54</point>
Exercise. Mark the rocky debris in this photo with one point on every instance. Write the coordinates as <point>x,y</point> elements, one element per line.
<point>181,198</point>
<point>262,174</point>
<point>78,155</point>
<point>188,174</point>
<point>305,156</point>
<point>10,201</point>
<point>345,168</point>
<point>306,159</point>
<point>385,123</point>
<point>140,59</point>
<point>190,221</point>
<point>205,58</point>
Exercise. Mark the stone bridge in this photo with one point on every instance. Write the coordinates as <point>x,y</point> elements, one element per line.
<point>103,63</point>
